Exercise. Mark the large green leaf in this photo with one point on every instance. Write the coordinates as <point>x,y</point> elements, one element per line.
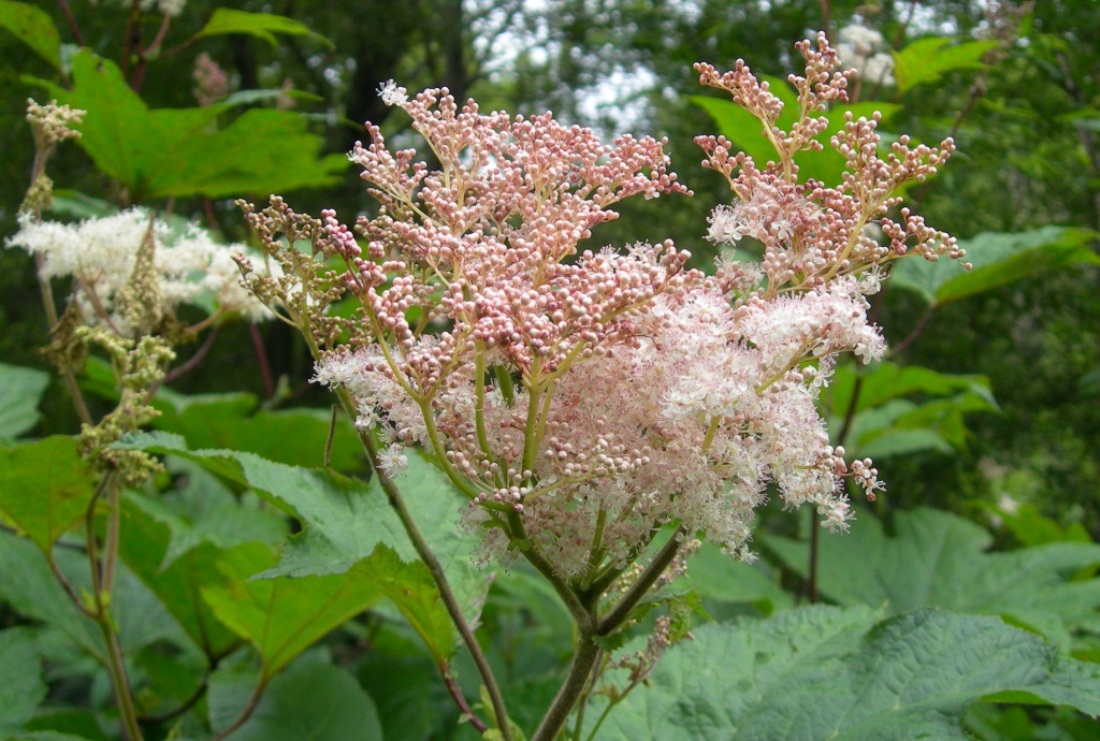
<point>177,585</point>
<point>20,391</point>
<point>261,25</point>
<point>296,437</point>
<point>204,510</point>
<point>746,131</point>
<point>830,673</point>
<point>886,424</point>
<point>21,685</point>
<point>718,578</point>
<point>999,259</point>
<point>283,616</point>
<point>936,559</point>
<point>348,525</point>
<point>34,27</point>
<point>311,700</point>
<point>45,488</point>
<point>885,381</point>
<point>181,151</point>
<point>927,60</point>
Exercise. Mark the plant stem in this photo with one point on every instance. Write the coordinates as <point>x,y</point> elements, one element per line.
<point>102,584</point>
<point>456,695</point>
<point>397,503</point>
<point>117,670</point>
<point>579,670</point>
<point>253,703</point>
<point>621,611</point>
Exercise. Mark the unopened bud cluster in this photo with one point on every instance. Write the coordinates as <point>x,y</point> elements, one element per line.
<point>580,399</point>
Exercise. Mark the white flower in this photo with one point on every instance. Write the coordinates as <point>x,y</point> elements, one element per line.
<point>393,460</point>
<point>100,253</point>
<point>392,94</point>
<point>863,49</point>
<point>726,225</point>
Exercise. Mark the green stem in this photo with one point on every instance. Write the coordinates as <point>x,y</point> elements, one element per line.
<point>621,611</point>
<point>117,670</point>
<point>102,582</point>
<point>397,503</point>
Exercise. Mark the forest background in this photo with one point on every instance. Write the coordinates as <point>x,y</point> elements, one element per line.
<point>992,411</point>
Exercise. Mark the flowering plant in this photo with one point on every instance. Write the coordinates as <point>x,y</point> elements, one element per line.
<point>587,404</point>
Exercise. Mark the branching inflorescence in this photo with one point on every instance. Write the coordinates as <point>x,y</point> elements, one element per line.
<point>581,400</point>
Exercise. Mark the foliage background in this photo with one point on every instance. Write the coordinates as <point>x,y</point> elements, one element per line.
<point>1026,124</point>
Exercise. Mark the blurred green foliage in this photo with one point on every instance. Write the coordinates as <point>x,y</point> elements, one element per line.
<point>989,408</point>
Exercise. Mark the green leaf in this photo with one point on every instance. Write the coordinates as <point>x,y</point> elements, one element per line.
<point>718,578</point>
<point>20,391</point>
<point>886,424</point>
<point>30,589</point>
<point>296,437</point>
<point>143,548</point>
<point>21,685</point>
<point>282,617</point>
<point>261,25</point>
<point>936,559</point>
<point>205,511</point>
<point>34,27</point>
<point>999,259</point>
<point>347,522</point>
<point>886,381</point>
<point>64,724</point>
<point>45,488</point>
<point>1031,527</point>
<point>826,673</point>
<point>927,60</point>
<point>181,152</point>
<point>747,132</point>
<point>312,701</point>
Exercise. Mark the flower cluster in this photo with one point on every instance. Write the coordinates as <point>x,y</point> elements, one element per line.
<point>865,50</point>
<point>53,123</point>
<point>112,257</point>
<point>582,399</point>
<point>211,81</point>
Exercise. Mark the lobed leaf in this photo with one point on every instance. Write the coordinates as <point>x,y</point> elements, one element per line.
<point>296,437</point>
<point>833,673</point>
<point>144,547</point>
<point>181,151</point>
<point>936,559</point>
<point>929,59</point>
<point>349,526</point>
<point>745,130</point>
<point>283,616</point>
